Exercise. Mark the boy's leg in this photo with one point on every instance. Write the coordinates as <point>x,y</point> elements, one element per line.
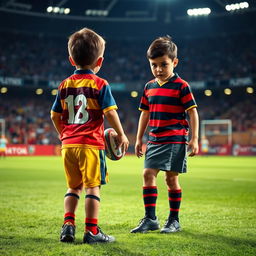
<point>93,234</point>
<point>150,221</point>
<point>174,195</point>
<point>75,187</point>
<point>71,199</point>
<point>92,205</point>
<point>70,205</point>
<point>150,192</point>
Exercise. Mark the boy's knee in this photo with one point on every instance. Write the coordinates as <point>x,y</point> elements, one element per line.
<point>78,190</point>
<point>172,181</point>
<point>149,175</point>
<point>93,191</point>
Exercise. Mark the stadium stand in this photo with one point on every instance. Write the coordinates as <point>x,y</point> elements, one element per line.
<point>201,59</point>
<point>28,118</point>
<point>44,57</point>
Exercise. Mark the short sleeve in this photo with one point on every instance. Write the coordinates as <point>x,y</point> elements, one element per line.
<point>56,107</point>
<point>144,104</point>
<point>187,97</point>
<point>106,99</point>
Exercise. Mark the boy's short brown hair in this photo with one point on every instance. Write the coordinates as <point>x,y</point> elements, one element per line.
<point>85,46</point>
<point>162,46</point>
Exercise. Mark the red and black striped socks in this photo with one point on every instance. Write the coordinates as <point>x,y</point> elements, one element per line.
<point>150,197</point>
<point>174,202</point>
<point>69,217</point>
<point>91,225</point>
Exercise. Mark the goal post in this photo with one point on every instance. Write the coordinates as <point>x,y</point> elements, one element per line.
<point>217,131</point>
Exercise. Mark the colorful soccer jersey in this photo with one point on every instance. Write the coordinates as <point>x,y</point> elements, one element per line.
<point>82,99</point>
<point>167,104</point>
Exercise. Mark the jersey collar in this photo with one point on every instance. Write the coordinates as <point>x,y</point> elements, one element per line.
<point>83,71</point>
<point>174,77</point>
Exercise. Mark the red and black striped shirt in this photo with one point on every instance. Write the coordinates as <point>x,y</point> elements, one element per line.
<point>167,105</point>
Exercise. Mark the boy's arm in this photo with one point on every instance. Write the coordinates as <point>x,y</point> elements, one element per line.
<point>142,126</point>
<point>194,126</point>
<point>56,120</point>
<point>115,123</point>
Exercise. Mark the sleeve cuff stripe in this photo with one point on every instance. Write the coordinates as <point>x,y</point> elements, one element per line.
<point>194,106</point>
<point>109,108</point>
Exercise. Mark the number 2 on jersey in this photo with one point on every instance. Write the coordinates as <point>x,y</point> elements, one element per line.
<point>81,115</point>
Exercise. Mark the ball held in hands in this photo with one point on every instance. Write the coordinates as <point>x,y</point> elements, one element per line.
<point>112,151</point>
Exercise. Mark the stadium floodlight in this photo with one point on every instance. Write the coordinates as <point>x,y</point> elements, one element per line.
<point>4,90</point>
<point>244,5</point>
<point>134,94</point>
<point>87,12</point>
<point>100,12</point>
<point>228,91</point>
<point>105,13</point>
<point>237,6</point>
<point>199,11</point>
<point>54,92</point>
<point>49,9</point>
<point>249,90</point>
<point>39,91</point>
<point>93,12</point>
<point>66,10</point>
<point>208,92</point>
<point>56,9</point>
<point>228,7</point>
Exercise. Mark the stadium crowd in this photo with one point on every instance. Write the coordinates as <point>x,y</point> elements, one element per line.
<point>201,59</point>
<point>28,119</point>
<point>44,57</point>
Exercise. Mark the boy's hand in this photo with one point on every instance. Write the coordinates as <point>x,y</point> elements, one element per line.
<point>138,148</point>
<point>123,142</point>
<point>193,147</point>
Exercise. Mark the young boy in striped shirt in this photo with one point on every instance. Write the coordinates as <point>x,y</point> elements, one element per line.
<point>165,102</point>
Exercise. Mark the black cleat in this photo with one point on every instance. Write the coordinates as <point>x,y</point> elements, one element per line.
<point>146,224</point>
<point>90,238</point>
<point>67,234</point>
<point>171,226</point>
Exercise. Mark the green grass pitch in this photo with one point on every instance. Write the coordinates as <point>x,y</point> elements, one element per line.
<point>218,211</point>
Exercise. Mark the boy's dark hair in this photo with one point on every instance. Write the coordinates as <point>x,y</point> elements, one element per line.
<point>162,46</point>
<point>85,46</point>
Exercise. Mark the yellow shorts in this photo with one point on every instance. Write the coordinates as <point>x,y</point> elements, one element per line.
<point>85,166</point>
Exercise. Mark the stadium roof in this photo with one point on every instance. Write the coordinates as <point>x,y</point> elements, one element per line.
<point>125,17</point>
<point>118,10</point>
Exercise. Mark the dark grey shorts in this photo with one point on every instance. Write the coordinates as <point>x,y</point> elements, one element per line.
<point>166,157</point>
